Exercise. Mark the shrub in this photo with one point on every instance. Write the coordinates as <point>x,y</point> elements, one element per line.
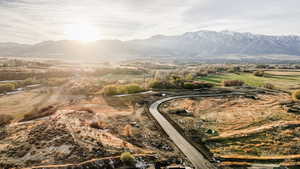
<point>296,95</point>
<point>259,73</point>
<point>127,158</point>
<point>110,90</point>
<point>122,89</point>
<point>202,73</point>
<point>129,89</point>
<point>98,125</point>
<point>5,119</point>
<point>203,84</point>
<point>176,81</point>
<point>36,114</point>
<point>269,86</point>
<point>234,69</point>
<point>55,81</point>
<point>7,87</point>
<point>189,76</point>
<point>197,85</point>
<point>233,83</point>
<point>28,81</point>
<point>262,66</point>
<point>158,84</point>
<point>188,85</point>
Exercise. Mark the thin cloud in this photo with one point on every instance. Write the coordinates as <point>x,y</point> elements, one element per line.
<point>32,21</point>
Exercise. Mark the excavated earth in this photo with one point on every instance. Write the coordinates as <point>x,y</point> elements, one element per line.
<point>67,138</point>
<point>263,127</point>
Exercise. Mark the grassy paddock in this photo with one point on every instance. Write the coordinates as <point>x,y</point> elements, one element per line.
<point>279,81</point>
<point>283,73</point>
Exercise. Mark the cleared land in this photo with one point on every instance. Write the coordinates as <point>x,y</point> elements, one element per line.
<point>238,127</point>
<point>83,130</point>
<point>22,103</point>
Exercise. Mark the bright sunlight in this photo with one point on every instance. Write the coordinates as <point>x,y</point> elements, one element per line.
<point>82,32</point>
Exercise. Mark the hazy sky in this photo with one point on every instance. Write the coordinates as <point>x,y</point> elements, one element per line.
<point>32,21</point>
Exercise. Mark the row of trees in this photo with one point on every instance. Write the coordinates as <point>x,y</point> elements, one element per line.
<point>11,86</point>
<point>128,71</point>
<point>122,89</point>
<point>17,75</point>
<point>173,81</point>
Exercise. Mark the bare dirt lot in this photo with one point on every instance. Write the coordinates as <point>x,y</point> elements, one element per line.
<point>22,103</point>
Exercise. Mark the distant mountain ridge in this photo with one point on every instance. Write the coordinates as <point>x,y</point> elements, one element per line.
<point>201,45</point>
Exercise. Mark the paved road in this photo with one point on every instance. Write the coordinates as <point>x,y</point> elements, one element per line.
<point>196,158</point>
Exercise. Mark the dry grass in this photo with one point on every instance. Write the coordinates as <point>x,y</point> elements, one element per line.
<point>5,119</point>
<point>269,86</point>
<point>98,125</point>
<point>285,82</point>
<point>107,106</point>
<point>19,104</point>
<point>283,73</point>
<point>46,111</point>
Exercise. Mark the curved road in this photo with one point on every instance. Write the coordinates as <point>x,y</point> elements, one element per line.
<point>196,158</point>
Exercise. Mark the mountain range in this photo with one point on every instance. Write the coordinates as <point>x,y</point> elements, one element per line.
<point>206,46</point>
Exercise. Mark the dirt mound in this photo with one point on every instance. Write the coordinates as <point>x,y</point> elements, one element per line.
<point>65,137</point>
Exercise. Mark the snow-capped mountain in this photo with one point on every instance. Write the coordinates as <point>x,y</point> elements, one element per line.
<point>210,43</point>
<point>203,45</point>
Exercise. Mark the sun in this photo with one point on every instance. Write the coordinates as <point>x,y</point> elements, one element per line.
<point>81,32</point>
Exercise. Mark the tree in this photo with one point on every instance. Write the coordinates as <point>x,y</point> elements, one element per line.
<point>110,90</point>
<point>259,73</point>
<point>127,158</point>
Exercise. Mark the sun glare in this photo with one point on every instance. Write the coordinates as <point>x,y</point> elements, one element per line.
<point>82,32</point>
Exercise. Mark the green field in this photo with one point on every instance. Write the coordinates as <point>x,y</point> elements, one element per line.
<point>286,82</point>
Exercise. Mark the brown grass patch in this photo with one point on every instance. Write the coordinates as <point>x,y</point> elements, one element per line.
<point>228,83</point>
<point>46,111</point>
<point>5,119</point>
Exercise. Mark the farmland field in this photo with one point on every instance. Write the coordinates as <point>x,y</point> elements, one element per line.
<point>281,80</point>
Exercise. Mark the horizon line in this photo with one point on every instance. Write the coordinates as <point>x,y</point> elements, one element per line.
<point>112,39</point>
